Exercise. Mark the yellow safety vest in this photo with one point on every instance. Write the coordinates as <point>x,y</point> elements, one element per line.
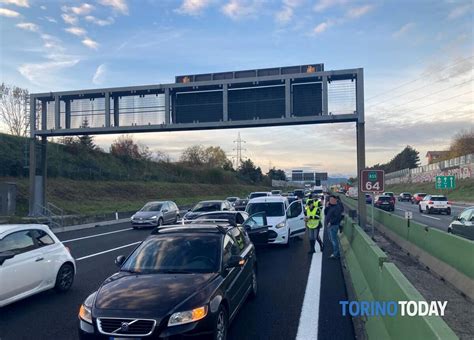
<point>313,217</point>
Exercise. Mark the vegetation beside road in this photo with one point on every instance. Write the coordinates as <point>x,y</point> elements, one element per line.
<point>464,191</point>
<point>94,197</point>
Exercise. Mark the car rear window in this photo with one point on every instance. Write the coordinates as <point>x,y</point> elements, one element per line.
<point>257,194</point>
<point>439,198</point>
<point>270,208</point>
<point>384,199</point>
<point>201,207</point>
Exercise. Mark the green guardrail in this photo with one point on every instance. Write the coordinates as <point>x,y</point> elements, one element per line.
<point>453,250</point>
<point>375,279</point>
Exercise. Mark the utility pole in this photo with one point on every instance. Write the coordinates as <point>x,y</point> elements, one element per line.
<point>239,150</point>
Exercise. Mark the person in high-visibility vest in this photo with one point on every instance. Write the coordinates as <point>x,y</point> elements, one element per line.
<point>313,224</point>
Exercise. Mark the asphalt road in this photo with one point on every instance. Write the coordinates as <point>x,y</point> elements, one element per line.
<point>439,221</point>
<point>274,314</point>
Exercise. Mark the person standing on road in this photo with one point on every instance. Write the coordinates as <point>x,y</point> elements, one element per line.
<point>332,218</point>
<point>313,224</point>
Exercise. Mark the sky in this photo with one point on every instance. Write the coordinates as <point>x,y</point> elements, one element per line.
<point>417,58</point>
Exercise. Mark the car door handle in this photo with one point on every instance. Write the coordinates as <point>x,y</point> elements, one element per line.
<point>302,218</point>
<point>39,259</point>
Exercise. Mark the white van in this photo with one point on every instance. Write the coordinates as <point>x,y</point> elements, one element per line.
<point>284,220</point>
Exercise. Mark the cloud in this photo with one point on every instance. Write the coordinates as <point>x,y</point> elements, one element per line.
<point>321,28</point>
<point>37,73</point>
<point>90,43</point>
<point>284,15</point>
<point>8,13</point>
<point>51,19</point>
<point>322,5</point>
<point>238,9</point>
<point>404,29</point>
<point>193,7</point>
<point>20,3</point>
<point>69,19</point>
<point>99,75</point>
<point>79,31</point>
<point>44,8</point>
<point>99,22</point>
<point>459,11</point>
<point>357,12</point>
<point>117,5</point>
<point>28,26</point>
<point>82,9</point>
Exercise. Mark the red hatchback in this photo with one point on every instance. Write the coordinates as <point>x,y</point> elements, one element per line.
<point>416,198</point>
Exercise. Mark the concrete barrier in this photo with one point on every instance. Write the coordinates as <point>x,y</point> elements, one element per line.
<point>373,278</point>
<point>449,256</point>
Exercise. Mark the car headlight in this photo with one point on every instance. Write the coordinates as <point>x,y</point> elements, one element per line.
<point>154,217</point>
<point>181,318</point>
<point>133,217</point>
<point>281,225</point>
<point>85,313</point>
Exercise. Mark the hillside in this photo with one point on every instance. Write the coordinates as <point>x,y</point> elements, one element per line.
<point>464,191</point>
<point>80,164</point>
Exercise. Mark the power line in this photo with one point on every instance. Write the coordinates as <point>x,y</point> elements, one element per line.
<point>428,95</point>
<point>239,149</point>
<point>414,80</point>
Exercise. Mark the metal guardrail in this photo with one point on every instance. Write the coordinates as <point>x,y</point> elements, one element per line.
<point>52,213</point>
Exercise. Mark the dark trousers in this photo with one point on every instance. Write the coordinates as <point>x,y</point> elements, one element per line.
<point>314,236</point>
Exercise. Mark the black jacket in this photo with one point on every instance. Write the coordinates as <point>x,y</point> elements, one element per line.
<point>333,214</point>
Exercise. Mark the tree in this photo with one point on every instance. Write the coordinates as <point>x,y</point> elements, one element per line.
<point>125,147</point>
<point>14,109</point>
<point>249,171</point>
<point>463,144</point>
<point>86,141</point>
<point>193,155</point>
<point>276,174</point>
<point>408,158</point>
<point>160,157</point>
<point>211,157</point>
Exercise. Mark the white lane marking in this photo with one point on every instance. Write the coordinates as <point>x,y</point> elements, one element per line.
<point>401,209</point>
<point>107,251</point>
<point>309,319</point>
<point>434,218</point>
<point>96,235</point>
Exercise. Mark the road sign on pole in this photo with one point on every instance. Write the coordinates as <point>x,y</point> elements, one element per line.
<point>372,180</point>
<point>445,182</point>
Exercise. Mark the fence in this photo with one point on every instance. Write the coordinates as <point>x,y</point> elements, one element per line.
<point>461,167</point>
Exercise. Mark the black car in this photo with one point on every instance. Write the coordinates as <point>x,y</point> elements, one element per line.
<point>241,204</point>
<point>234,218</point>
<point>404,196</point>
<point>299,193</point>
<point>207,206</point>
<point>180,281</point>
<point>384,202</point>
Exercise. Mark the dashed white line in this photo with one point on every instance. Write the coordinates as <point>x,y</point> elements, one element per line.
<point>96,235</point>
<point>107,251</point>
<point>309,319</point>
<point>434,218</point>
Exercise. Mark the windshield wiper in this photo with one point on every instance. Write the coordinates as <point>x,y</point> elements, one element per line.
<point>129,271</point>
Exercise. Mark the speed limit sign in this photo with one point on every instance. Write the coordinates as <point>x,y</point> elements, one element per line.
<point>372,180</point>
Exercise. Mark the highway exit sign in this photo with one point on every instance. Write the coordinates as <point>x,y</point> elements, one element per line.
<point>445,182</point>
<point>372,180</point>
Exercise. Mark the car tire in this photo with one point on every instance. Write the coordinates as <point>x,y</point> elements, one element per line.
<point>64,278</point>
<point>160,222</point>
<point>419,208</point>
<point>177,218</point>
<point>254,287</point>
<point>287,244</point>
<point>221,325</point>
<point>448,212</point>
<point>429,210</point>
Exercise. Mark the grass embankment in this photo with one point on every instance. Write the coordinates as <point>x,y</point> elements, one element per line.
<point>96,197</point>
<point>464,191</point>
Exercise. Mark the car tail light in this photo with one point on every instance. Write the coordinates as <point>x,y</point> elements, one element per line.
<point>430,202</point>
<point>449,202</point>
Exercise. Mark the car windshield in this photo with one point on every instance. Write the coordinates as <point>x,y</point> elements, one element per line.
<point>270,209</point>
<point>152,207</point>
<point>439,198</point>
<point>389,193</point>
<point>231,199</point>
<point>257,194</point>
<point>421,195</point>
<point>241,202</point>
<point>184,253</point>
<point>207,206</point>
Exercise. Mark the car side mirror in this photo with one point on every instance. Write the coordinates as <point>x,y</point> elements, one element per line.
<point>6,255</point>
<point>235,261</point>
<point>119,260</point>
<point>165,210</point>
